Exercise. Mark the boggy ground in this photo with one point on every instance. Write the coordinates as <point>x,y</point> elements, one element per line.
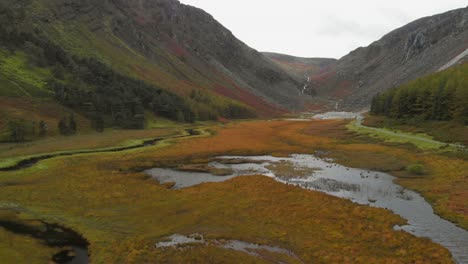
<point>123,213</point>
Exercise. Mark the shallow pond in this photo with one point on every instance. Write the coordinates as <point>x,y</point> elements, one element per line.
<point>177,240</point>
<point>361,186</point>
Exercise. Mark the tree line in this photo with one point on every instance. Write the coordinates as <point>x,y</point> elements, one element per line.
<point>99,92</point>
<point>20,130</point>
<point>442,96</point>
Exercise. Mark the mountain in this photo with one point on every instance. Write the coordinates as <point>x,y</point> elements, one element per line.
<point>424,46</point>
<point>303,69</point>
<point>125,58</point>
<point>123,62</point>
<point>298,66</point>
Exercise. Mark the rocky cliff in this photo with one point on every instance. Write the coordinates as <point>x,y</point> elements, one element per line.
<point>419,48</point>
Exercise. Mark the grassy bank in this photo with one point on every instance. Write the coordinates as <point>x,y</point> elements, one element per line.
<point>111,140</point>
<point>445,131</point>
<point>419,140</point>
<point>22,249</point>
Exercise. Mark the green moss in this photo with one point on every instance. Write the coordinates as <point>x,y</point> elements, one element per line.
<point>19,77</point>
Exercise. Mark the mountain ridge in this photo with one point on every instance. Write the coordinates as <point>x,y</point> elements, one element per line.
<point>404,54</point>
<point>299,66</point>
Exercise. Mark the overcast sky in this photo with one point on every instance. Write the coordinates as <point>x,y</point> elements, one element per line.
<point>317,28</point>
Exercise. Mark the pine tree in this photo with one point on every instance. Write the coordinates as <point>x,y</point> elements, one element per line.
<point>42,128</point>
<point>98,123</point>
<point>439,97</point>
<point>63,127</point>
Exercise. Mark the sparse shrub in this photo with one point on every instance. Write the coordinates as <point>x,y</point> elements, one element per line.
<point>416,169</point>
<point>18,130</point>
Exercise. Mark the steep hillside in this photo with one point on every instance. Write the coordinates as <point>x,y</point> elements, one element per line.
<point>212,51</point>
<point>159,56</point>
<point>421,47</point>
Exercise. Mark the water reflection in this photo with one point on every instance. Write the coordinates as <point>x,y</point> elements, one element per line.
<point>361,186</point>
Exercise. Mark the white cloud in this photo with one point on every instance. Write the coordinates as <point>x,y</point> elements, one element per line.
<point>312,28</point>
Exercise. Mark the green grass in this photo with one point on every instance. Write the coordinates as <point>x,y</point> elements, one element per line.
<point>419,140</point>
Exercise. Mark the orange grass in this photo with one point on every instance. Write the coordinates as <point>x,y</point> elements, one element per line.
<point>122,213</point>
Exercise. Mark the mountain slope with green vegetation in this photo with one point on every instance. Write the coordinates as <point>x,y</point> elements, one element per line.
<point>113,61</point>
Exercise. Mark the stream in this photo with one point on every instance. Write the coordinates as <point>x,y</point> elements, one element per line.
<point>31,161</point>
<point>365,187</point>
<point>74,247</point>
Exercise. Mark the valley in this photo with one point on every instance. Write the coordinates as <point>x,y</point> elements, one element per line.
<point>147,132</point>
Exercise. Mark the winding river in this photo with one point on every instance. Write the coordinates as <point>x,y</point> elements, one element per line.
<point>31,161</point>
<point>365,187</point>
